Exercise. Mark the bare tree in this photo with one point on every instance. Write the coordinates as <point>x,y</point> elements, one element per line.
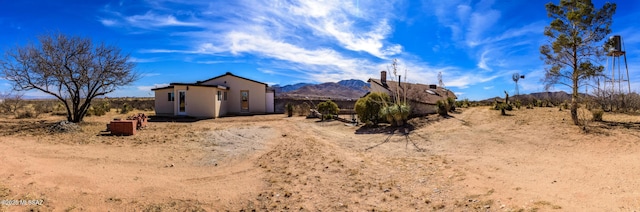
<point>70,68</point>
<point>11,102</point>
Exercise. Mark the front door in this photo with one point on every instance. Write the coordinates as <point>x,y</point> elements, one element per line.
<point>244,101</point>
<point>182,102</point>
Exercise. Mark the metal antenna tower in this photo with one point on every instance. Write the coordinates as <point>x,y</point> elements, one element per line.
<point>441,83</point>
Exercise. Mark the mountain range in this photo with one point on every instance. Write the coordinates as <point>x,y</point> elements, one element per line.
<point>555,97</point>
<point>344,89</point>
<point>354,89</point>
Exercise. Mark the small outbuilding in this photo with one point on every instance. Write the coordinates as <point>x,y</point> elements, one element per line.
<point>227,94</point>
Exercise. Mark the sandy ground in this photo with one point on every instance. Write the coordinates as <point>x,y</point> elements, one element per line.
<point>476,160</point>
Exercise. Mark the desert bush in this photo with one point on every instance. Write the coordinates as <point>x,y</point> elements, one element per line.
<point>395,114</point>
<point>518,104</point>
<point>11,103</point>
<point>44,106</point>
<point>452,104</point>
<point>328,109</point>
<point>59,110</point>
<point>303,109</point>
<point>368,107</point>
<point>125,108</point>
<point>96,111</point>
<point>442,108</point>
<point>103,104</point>
<point>27,113</point>
<point>597,114</point>
<point>538,103</point>
<point>289,109</point>
<point>463,103</point>
<point>135,103</point>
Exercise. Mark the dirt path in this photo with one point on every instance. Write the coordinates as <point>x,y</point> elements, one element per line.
<point>536,159</point>
<point>474,161</point>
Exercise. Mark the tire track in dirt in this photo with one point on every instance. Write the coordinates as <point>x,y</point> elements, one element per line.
<point>307,171</point>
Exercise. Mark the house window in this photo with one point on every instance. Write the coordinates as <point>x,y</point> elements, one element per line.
<point>170,97</point>
<point>225,96</point>
<point>219,95</point>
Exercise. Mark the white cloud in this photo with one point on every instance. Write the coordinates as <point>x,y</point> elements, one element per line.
<point>464,80</point>
<point>308,28</point>
<point>151,19</point>
<point>108,22</point>
<point>317,41</point>
<point>150,74</point>
<point>142,60</point>
<point>483,61</point>
<point>480,22</point>
<point>488,87</point>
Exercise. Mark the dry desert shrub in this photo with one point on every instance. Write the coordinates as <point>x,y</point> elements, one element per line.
<point>597,114</point>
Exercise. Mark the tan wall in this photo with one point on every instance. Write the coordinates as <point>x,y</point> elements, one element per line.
<point>377,88</point>
<point>220,105</point>
<point>257,93</point>
<point>202,101</point>
<point>422,108</point>
<point>162,104</point>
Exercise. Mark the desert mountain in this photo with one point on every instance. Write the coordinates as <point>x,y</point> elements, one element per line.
<point>289,88</point>
<point>344,89</point>
<point>554,97</point>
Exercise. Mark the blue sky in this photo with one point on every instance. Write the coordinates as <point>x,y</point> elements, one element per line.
<point>477,45</point>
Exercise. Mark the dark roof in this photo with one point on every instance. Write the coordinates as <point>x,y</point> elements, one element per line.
<point>191,84</point>
<point>199,83</point>
<point>160,88</point>
<point>230,74</point>
<point>417,92</point>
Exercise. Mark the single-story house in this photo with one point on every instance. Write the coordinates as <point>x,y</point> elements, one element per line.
<point>422,98</point>
<point>227,94</point>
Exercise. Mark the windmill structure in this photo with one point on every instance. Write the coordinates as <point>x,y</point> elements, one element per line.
<point>515,78</point>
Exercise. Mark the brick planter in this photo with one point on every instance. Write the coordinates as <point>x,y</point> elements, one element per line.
<point>123,127</point>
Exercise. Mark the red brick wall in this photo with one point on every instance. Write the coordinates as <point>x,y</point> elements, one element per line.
<point>123,127</point>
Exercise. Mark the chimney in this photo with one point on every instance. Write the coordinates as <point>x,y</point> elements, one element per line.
<point>383,77</point>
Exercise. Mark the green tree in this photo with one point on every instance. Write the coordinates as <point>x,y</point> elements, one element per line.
<point>328,109</point>
<point>368,107</point>
<point>574,32</point>
<point>72,69</point>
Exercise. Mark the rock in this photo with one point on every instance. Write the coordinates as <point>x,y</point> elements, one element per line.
<point>64,127</point>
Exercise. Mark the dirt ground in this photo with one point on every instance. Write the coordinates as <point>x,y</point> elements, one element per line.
<point>475,160</point>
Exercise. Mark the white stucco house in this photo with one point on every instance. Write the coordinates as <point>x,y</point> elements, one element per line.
<point>227,94</point>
